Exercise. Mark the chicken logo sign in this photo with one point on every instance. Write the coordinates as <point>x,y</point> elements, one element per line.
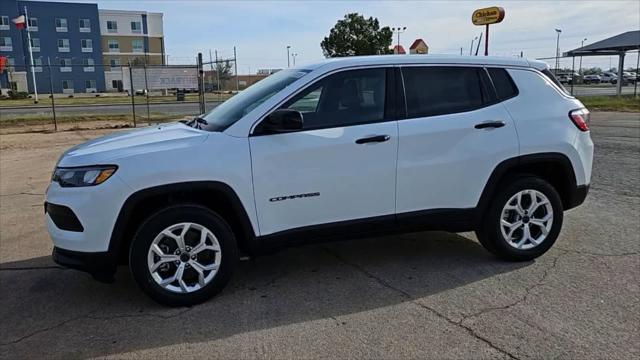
<point>486,16</point>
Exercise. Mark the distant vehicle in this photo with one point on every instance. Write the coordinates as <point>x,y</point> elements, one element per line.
<point>629,77</point>
<point>592,79</point>
<point>609,77</point>
<point>565,79</point>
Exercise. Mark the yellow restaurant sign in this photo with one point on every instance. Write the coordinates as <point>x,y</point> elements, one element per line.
<point>486,16</point>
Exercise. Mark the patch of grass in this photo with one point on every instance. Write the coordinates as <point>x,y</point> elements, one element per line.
<point>107,99</point>
<point>39,119</point>
<point>627,103</point>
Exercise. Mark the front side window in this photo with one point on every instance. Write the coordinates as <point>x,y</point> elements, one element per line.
<point>346,98</point>
<point>439,90</point>
<point>232,110</point>
<point>136,27</point>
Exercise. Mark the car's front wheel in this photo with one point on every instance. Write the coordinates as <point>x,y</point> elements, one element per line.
<point>523,221</point>
<point>183,255</point>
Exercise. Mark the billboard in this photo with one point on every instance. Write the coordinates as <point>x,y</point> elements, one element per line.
<point>164,77</point>
<point>486,16</point>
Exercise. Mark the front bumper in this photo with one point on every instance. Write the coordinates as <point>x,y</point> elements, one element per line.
<point>101,265</point>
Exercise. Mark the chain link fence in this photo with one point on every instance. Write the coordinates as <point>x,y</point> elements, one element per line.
<point>87,95</point>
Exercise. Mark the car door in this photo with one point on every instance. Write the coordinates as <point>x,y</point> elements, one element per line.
<point>455,134</point>
<point>341,166</point>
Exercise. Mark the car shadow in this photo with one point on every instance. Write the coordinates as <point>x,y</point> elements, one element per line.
<point>42,304</point>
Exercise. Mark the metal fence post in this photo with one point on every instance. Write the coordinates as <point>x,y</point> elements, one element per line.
<point>131,93</point>
<point>200,84</point>
<point>53,103</point>
<point>146,90</point>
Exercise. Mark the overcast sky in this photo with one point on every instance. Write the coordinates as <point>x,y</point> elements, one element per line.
<point>261,30</point>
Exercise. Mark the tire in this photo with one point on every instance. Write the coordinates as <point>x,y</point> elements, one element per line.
<point>206,266</point>
<point>547,217</point>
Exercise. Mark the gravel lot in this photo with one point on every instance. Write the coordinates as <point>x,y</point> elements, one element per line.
<point>427,295</point>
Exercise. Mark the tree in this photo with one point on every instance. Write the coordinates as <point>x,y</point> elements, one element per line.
<point>592,71</point>
<point>223,72</point>
<point>355,35</point>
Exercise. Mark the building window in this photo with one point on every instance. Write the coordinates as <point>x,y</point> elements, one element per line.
<point>88,65</point>
<point>87,45</point>
<point>61,25</point>
<point>65,65</point>
<point>33,24</point>
<point>37,64</point>
<point>35,44</point>
<point>85,25</point>
<point>114,62</point>
<point>4,22</point>
<point>90,85</point>
<point>6,44</point>
<point>136,27</point>
<point>67,86</point>
<point>112,26</point>
<point>63,45</point>
<point>113,45</point>
<point>137,45</point>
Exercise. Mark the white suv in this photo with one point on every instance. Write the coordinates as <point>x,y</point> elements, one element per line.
<point>343,148</point>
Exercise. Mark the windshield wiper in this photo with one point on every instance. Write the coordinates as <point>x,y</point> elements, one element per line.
<point>197,122</point>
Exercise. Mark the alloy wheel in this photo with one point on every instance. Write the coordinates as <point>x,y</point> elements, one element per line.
<point>526,219</point>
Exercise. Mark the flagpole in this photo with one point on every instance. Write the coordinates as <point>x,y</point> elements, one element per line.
<point>33,73</point>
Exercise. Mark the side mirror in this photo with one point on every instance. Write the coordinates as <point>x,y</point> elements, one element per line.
<point>281,121</point>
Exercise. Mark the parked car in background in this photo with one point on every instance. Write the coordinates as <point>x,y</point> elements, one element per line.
<point>565,79</point>
<point>609,77</point>
<point>591,79</point>
<point>629,77</point>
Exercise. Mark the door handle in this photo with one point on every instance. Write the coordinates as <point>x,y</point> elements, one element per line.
<point>490,124</point>
<point>373,139</point>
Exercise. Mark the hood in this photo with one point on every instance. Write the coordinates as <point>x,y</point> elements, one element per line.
<point>110,147</point>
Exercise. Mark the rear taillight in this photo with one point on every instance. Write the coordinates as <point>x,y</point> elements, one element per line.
<point>580,119</point>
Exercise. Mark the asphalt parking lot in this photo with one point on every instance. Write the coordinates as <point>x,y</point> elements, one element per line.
<point>423,295</point>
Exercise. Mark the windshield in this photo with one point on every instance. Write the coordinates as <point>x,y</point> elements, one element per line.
<point>232,110</point>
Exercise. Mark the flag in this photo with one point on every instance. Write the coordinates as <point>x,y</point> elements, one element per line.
<point>3,63</point>
<point>19,21</point>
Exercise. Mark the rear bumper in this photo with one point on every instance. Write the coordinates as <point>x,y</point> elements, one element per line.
<point>578,196</point>
<point>101,264</point>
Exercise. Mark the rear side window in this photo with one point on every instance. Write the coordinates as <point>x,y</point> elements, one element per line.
<point>438,90</point>
<point>504,85</point>
<point>553,79</point>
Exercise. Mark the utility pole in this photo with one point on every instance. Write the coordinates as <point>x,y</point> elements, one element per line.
<point>33,73</point>
<point>294,58</point>
<point>471,48</point>
<point>580,67</point>
<point>217,76</point>
<point>132,94</point>
<point>288,47</point>
<point>235,65</point>
<point>558,31</point>
<point>53,103</point>
<point>399,30</point>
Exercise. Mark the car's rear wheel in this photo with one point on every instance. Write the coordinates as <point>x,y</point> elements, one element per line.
<point>523,221</point>
<point>183,255</point>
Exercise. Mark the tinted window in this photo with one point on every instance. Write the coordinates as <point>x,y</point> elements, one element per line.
<point>438,90</point>
<point>503,83</point>
<point>346,98</point>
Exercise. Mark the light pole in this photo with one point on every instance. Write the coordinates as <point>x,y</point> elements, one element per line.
<point>558,31</point>
<point>288,58</point>
<point>471,48</point>
<point>581,46</point>
<point>399,30</point>
<point>293,55</point>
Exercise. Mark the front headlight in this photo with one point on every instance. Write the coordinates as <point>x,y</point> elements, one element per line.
<point>83,176</point>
